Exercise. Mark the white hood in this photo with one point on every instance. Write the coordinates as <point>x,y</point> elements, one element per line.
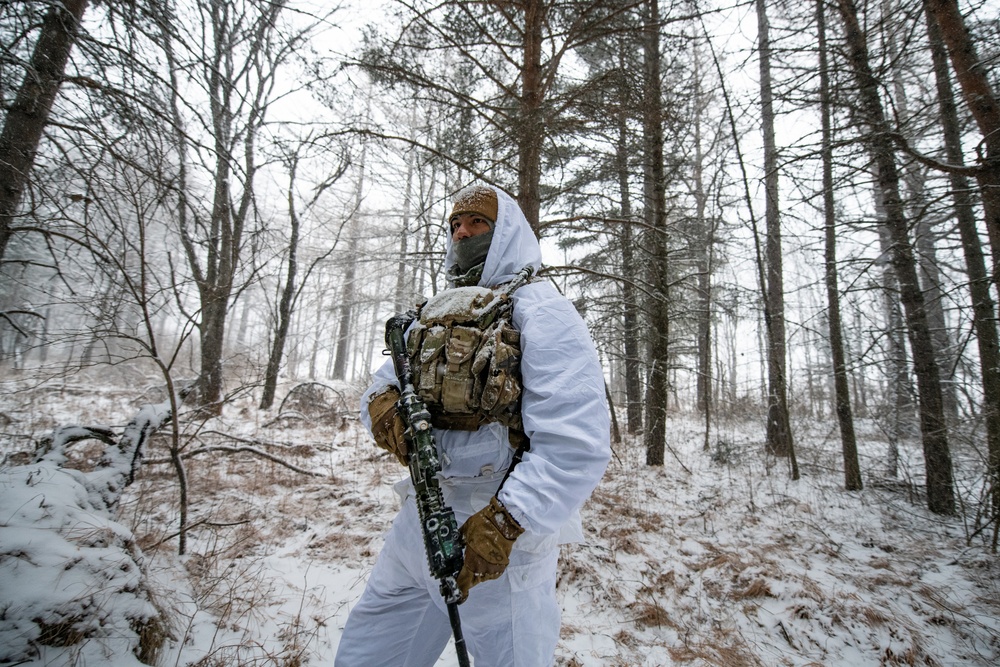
<point>514,245</point>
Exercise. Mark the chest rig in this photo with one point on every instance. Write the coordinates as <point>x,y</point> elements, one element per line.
<point>466,358</point>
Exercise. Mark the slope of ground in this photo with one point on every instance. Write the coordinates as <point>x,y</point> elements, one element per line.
<point>717,558</point>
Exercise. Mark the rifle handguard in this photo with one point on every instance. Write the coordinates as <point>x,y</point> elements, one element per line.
<point>442,540</point>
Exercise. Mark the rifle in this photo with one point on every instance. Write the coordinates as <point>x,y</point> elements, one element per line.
<point>442,540</point>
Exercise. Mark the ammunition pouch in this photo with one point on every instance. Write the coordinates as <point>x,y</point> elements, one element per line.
<point>466,361</point>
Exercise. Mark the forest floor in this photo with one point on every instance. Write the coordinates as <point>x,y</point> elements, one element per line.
<point>715,558</point>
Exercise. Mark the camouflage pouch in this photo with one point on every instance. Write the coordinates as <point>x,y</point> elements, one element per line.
<point>458,383</point>
<point>429,358</point>
<point>502,387</point>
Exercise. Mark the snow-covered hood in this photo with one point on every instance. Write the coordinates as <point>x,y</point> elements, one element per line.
<point>514,245</point>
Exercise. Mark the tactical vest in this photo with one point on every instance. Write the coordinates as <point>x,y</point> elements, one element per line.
<point>466,360</point>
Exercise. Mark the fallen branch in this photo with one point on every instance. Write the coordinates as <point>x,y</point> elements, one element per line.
<point>240,449</point>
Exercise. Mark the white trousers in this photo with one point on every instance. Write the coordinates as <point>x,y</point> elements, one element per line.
<point>401,619</point>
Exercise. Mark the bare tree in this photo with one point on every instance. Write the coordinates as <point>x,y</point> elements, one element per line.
<point>984,104</point>
<point>26,119</point>
<point>237,65</point>
<point>293,287</point>
<point>842,397</point>
<point>937,454</point>
<point>779,429</point>
<point>983,307</point>
<point>657,390</point>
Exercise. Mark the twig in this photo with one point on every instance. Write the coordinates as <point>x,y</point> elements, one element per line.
<point>203,522</point>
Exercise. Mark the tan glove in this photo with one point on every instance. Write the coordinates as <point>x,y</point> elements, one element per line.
<point>489,537</point>
<point>387,425</point>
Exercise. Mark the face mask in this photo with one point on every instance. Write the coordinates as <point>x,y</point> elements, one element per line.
<point>472,250</point>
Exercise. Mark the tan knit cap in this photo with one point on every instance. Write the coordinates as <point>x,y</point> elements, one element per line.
<point>477,199</point>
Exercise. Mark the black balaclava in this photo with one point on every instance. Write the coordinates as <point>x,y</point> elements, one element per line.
<point>470,257</point>
<point>472,250</point>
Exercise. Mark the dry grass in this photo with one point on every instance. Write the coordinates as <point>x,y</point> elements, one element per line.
<point>717,655</point>
<point>650,614</point>
<point>730,561</point>
<point>873,617</point>
<point>757,589</point>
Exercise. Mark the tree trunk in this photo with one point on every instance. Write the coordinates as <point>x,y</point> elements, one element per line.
<point>705,232</point>
<point>287,297</point>
<point>346,308</point>
<point>532,126</point>
<point>842,397</point>
<point>657,392</point>
<point>983,308</point>
<point>630,304</point>
<point>934,290</point>
<point>937,455</point>
<point>928,269</point>
<point>27,117</point>
<point>973,78</point>
<point>779,430</point>
<point>402,291</point>
<point>900,390</point>
<point>212,330</point>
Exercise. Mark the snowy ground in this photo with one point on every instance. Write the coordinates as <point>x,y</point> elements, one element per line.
<point>717,558</point>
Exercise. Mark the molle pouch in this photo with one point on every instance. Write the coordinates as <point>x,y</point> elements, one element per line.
<point>457,385</point>
<point>502,387</point>
<point>414,339</point>
<point>428,379</point>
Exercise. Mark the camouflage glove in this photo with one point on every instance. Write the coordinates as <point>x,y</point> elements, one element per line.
<point>489,537</point>
<point>387,425</point>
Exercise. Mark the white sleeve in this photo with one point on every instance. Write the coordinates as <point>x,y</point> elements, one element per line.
<point>564,410</point>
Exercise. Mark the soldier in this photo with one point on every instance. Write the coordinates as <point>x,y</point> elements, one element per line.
<point>532,385</point>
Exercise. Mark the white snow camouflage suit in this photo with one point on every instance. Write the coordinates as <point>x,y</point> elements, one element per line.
<point>401,618</point>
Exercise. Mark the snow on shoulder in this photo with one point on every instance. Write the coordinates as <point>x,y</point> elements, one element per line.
<point>461,304</point>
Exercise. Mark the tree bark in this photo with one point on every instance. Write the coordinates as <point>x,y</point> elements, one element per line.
<point>779,430</point>
<point>27,117</point>
<point>983,103</point>
<point>630,304</point>
<point>937,455</point>
<point>287,298</point>
<point>531,133</point>
<point>657,393</point>
<point>983,307</point>
<point>842,395</point>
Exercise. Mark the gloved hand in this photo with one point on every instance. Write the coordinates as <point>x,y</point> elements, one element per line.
<point>489,537</point>
<point>387,425</point>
